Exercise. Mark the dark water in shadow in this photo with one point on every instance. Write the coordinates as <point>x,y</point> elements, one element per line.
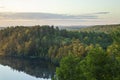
<point>25,69</point>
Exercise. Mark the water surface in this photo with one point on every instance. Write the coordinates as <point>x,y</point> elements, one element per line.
<point>25,69</point>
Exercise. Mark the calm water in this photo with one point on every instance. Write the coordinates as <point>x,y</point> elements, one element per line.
<point>25,69</point>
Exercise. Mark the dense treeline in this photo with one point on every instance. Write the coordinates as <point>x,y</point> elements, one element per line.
<point>85,55</point>
<point>98,64</point>
<point>48,41</point>
<point>100,28</point>
<point>28,41</point>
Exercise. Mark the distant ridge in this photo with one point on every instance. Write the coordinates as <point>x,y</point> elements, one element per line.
<point>83,28</point>
<point>100,28</point>
<point>72,28</point>
<point>2,28</point>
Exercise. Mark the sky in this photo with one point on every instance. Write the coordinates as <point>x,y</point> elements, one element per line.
<point>59,12</point>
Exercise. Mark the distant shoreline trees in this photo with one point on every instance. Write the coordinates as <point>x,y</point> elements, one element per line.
<point>98,64</point>
<point>48,42</point>
<point>82,55</point>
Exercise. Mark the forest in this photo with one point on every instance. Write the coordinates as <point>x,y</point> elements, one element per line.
<point>91,53</point>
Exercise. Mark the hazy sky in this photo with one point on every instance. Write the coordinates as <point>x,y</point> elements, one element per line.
<point>59,12</point>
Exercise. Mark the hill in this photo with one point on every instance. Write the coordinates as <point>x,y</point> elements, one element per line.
<point>72,28</point>
<point>100,28</point>
<point>48,41</point>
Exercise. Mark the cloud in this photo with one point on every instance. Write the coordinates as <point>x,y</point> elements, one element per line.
<point>49,16</point>
<point>102,13</point>
<point>2,7</point>
<point>37,16</point>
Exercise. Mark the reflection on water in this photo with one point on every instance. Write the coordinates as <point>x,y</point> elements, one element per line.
<point>39,69</point>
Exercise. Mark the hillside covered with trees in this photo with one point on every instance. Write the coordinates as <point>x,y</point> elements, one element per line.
<point>85,55</point>
<point>97,64</point>
<point>48,41</point>
<point>100,28</point>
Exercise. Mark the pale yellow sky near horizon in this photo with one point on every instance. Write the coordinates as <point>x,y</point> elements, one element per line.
<point>59,12</point>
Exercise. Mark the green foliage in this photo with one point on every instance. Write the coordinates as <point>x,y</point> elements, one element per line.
<point>100,28</point>
<point>87,55</point>
<point>97,65</point>
<point>69,69</point>
<point>116,35</point>
<point>114,49</point>
<point>29,41</point>
<point>48,42</point>
<point>76,48</point>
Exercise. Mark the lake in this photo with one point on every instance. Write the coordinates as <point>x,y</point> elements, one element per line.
<point>25,69</point>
